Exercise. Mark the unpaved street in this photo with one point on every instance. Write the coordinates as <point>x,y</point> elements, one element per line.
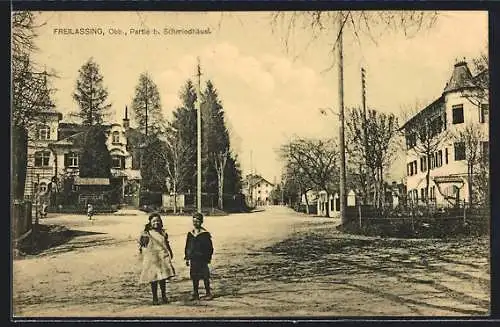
<point>270,263</point>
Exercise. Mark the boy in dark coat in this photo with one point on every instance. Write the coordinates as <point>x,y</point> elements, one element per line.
<point>198,254</point>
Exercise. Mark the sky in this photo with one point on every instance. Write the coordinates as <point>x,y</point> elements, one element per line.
<point>270,92</point>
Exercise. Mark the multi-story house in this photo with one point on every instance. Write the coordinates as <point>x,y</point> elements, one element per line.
<point>257,190</point>
<point>54,149</point>
<point>441,121</point>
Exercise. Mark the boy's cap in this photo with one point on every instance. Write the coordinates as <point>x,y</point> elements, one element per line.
<point>198,216</point>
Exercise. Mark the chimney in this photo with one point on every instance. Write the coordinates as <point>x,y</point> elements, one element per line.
<point>126,121</point>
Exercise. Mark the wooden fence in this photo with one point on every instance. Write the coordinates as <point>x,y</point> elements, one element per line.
<point>21,219</point>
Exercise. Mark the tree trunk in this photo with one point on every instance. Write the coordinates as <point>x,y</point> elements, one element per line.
<point>307,203</point>
<point>175,197</point>
<point>470,171</point>
<point>19,161</point>
<point>221,191</point>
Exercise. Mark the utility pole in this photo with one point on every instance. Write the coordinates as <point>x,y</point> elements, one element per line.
<point>146,101</point>
<point>365,136</point>
<point>340,61</point>
<point>198,137</point>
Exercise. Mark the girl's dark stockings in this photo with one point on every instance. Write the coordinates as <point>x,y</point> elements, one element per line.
<point>154,290</point>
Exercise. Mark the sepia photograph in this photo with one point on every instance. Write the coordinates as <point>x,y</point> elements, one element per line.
<point>250,164</point>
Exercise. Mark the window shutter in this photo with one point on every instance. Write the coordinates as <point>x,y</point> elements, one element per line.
<point>66,160</point>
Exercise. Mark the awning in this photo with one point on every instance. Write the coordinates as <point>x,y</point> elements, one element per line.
<point>91,181</point>
<point>448,179</point>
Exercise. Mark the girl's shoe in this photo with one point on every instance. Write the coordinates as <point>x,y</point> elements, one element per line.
<point>194,297</point>
<point>155,302</point>
<point>164,299</point>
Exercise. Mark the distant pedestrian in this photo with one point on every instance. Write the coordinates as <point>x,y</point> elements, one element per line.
<point>198,254</point>
<point>157,257</point>
<point>90,211</point>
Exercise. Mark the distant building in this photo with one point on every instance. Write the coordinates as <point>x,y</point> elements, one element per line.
<point>54,149</point>
<point>257,190</point>
<point>448,168</point>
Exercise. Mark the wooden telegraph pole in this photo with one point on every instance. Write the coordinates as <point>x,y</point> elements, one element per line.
<point>198,135</point>
<point>340,61</point>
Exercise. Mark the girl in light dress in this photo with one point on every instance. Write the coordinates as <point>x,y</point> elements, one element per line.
<point>157,257</point>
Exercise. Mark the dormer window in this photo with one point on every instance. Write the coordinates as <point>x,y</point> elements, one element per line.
<point>43,132</point>
<point>116,137</point>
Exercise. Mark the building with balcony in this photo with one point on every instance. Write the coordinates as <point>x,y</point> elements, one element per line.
<point>432,145</point>
<point>54,149</point>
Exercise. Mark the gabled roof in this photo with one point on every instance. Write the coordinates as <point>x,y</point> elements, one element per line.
<point>432,106</point>
<point>460,78</point>
<point>255,179</point>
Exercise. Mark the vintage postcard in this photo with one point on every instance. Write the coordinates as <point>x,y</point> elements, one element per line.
<point>250,164</point>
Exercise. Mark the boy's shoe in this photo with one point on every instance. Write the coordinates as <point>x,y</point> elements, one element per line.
<point>164,300</point>
<point>208,297</point>
<point>155,302</point>
<point>195,297</point>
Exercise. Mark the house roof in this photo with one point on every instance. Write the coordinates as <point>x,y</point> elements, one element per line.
<point>91,181</point>
<point>438,102</point>
<point>76,139</point>
<point>461,78</point>
<point>255,179</point>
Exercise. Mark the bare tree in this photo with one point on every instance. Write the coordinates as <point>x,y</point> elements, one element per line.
<point>315,159</point>
<point>31,93</point>
<point>472,137</point>
<point>323,25</point>
<point>173,158</point>
<point>371,149</point>
<point>220,161</point>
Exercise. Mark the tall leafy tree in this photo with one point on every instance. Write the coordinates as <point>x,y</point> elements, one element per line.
<point>146,106</point>
<point>184,123</point>
<point>95,159</point>
<point>215,142</point>
<point>91,95</point>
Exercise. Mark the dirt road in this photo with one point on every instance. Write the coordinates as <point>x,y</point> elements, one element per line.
<point>270,263</point>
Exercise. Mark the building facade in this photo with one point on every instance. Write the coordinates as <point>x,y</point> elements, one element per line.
<point>54,149</point>
<point>257,190</point>
<point>433,146</point>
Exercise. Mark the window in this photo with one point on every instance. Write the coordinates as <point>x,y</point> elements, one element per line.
<point>446,155</point>
<point>458,114</point>
<point>117,162</point>
<point>483,112</point>
<point>432,161</point>
<point>415,167</point>
<point>422,193</point>
<point>423,164</point>
<point>433,193</point>
<point>42,158</point>
<point>43,132</point>
<point>411,140</point>
<point>459,151</point>
<point>485,150</point>
<point>439,158</point>
<point>116,137</point>
<point>71,159</point>
<point>415,195</point>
